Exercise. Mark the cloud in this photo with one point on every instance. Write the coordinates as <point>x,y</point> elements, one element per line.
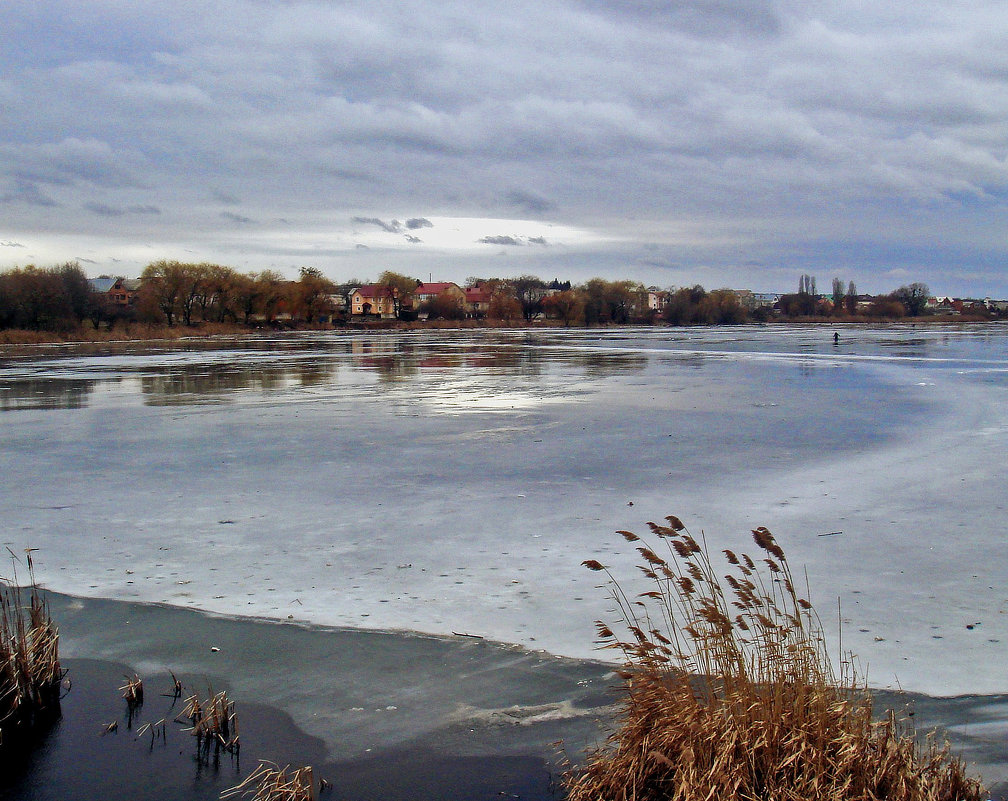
<point>28,193</point>
<point>754,136</point>
<point>103,210</point>
<point>528,202</point>
<point>501,240</point>
<point>538,240</point>
<point>393,227</point>
<point>106,210</point>
<point>10,244</point>
<point>415,240</point>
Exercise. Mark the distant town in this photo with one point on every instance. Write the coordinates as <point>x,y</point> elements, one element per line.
<point>176,294</point>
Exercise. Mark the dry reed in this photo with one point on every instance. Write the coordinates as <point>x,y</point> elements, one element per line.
<point>132,692</point>
<point>213,723</point>
<point>732,695</point>
<point>269,782</point>
<point>30,673</point>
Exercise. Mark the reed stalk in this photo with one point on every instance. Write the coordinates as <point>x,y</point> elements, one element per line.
<point>30,672</point>
<point>214,724</point>
<point>269,782</point>
<point>729,693</point>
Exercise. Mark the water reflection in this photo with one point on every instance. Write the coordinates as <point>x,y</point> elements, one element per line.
<point>45,393</point>
<point>218,372</point>
<point>214,383</point>
<point>192,376</point>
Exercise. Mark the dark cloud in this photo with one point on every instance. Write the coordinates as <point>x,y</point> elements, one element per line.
<point>538,240</point>
<point>235,218</point>
<point>528,202</point>
<point>393,227</point>
<point>225,197</point>
<point>708,18</point>
<point>103,210</point>
<point>28,193</point>
<point>413,223</point>
<point>415,240</point>
<point>500,240</point>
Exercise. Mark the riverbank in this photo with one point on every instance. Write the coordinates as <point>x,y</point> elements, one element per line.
<point>379,715</point>
<point>154,333</point>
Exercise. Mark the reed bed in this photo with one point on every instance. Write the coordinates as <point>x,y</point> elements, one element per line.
<point>269,782</point>
<point>213,723</point>
<point>30,673</point>
<point>729,693</point>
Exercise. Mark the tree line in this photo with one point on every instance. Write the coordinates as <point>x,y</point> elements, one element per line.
<point>176,293</point>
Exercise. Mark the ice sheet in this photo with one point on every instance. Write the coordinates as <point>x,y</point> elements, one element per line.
<point>453,481</point>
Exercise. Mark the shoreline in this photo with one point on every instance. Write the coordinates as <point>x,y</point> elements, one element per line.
<point>379,715</point>
<point>153,334</point>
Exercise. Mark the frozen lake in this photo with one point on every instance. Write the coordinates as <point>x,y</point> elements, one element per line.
<point>454,481</point>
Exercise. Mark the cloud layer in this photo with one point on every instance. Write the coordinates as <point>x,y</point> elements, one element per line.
<point>711,141</point>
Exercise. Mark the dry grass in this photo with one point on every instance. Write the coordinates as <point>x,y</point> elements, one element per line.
<point>30,673</point>
<point>132,692</point>
<point>731,695</point>
<point>268,782</point>
<point>213,723</point>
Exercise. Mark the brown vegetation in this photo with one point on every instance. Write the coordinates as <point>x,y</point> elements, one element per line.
<point>30,673</point>
<point>733,696</point>
<point>213,723</point>
<point>269,782</point>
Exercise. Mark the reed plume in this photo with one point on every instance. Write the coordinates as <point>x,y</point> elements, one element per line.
<point>732,695</point>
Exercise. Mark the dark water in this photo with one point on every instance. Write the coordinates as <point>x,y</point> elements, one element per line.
<point>379,715</point>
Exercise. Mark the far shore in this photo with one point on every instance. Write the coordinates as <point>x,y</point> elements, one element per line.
<point>11,339</point>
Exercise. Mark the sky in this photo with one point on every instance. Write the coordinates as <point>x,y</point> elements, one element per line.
<point>720,142</point>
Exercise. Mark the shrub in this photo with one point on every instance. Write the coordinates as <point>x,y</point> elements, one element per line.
<point>731,695</point>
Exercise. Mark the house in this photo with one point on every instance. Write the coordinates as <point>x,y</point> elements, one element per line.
<point>118,291</point>
<point>751,301</point>
<point>428,291</point>
<point>374,300</point>
<point>477,300</point>
<point>656,299</point>
<point>448,297</point>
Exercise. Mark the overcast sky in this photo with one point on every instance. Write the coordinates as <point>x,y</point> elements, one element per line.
<point>723,142</point>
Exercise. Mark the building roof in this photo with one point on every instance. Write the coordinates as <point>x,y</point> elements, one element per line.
<point>372,291</point>
<point>477,294</point>
<point>102,284</point>
<point>433,288</point>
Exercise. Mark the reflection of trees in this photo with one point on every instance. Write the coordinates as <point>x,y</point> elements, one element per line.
<point>602,365</point>
<point>393,359</point>
<point>694,360</point>
<point>202,383</point>
<point>46,393</point>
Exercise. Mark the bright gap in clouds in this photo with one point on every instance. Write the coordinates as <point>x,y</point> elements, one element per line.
<point>474,234</point>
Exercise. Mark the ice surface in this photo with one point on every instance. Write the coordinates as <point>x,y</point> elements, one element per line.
<point>453,481</point>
